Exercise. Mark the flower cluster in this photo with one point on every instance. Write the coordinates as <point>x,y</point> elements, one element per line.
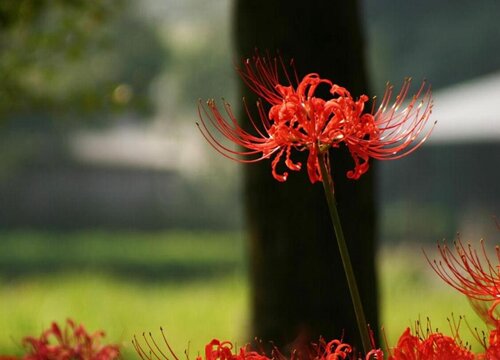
<point>70,343</point>
<point>293,117</point>
<point>464,270</point>
<point>224,350</point>
<point>333,350</point>
<point>434,346</point>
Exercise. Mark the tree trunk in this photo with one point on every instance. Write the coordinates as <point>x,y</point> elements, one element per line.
<point>298,283</point>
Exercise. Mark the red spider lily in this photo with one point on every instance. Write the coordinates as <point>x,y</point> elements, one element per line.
<point>298,119</point>
<point>333,350</point>
<point>435,346</point>
<point>72,343</point>
<point>491,346</point>
<point>473,275</point>
<point>337,349</point>
<point>214,350</point>
<point>224,350</point>
<point>493,350</point>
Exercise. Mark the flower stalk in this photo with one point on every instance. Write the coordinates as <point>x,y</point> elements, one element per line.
<point>291,117</point>
<point>344,253</point>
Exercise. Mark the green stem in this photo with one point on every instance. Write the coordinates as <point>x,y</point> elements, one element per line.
<point>344,254</point>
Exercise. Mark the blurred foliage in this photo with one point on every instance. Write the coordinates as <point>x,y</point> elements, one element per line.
<point>444,41</point>
<point>201,63</point>
<point>75,58</point>
<point>69,64</point>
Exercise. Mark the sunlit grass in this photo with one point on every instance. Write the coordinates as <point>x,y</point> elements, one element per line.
<point>192,284</point>
<point>192,312</point>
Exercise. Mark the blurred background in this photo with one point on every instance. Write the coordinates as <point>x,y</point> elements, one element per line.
<point>114,211</point>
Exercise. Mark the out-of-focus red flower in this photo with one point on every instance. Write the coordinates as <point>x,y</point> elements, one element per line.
<point>491,345</point>
<point>294,117</point>
<point>214,350</point>
<point>492,351</point>
<point>435,346</point>
<point>474,275</point>
<point>73,342</point>
<point>337,349</point>
<point>333,350</point>
<point>224,350</point>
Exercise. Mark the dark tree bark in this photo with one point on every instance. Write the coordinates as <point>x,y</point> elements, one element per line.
<point>298,283</point>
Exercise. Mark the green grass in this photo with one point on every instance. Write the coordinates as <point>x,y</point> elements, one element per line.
<point>192,284</point>
<point>195,311</point>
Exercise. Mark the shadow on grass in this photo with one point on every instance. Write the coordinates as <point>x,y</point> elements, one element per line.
<point>145,257</point>
<point>167,272</point>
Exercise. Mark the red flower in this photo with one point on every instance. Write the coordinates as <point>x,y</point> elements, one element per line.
<point>72,343</point>
<point>435,346</point>
<point>492,350</point>
<point>337,349</point>
<point>472,274</point>
<point>214,350</point>
<point>298,119</point>
<point>224,350</point>
<point>333,350</point>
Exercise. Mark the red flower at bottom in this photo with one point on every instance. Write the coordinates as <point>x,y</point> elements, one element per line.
<point>72,343</point>
<point>435,346</point>
<point>224,350</point>
<point>493,350</point>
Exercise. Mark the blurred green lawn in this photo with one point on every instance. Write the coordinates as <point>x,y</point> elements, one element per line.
<point>194,285</point>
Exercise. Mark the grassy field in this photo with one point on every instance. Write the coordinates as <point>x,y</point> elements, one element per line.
<point>125,283</point>
<point>192,284</point>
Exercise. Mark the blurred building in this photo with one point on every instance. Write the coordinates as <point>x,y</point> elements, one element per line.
<point>451,184</point>
<point>133,175</point>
